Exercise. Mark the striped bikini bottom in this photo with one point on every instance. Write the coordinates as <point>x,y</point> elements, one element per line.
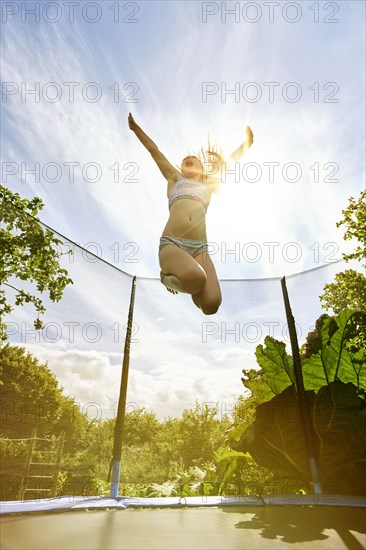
<point>192,247</point>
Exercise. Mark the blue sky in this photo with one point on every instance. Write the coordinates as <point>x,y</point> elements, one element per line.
<point>168,58</point>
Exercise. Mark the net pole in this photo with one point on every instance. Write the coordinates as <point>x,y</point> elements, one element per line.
<point>303,404</point>
<point>121,411</point>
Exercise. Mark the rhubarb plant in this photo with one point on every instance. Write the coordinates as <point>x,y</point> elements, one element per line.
<point>335,388</point>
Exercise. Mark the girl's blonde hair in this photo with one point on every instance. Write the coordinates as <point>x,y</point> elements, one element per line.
<point>211,160</point>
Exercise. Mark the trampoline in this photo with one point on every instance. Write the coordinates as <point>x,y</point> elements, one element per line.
<point>237,523</point>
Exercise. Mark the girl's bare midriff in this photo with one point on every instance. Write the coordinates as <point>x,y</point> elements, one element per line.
<point>186,220</point>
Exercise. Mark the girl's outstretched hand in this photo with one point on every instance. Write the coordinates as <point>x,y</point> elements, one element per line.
<point>131,122</point>
<point>249,134</point>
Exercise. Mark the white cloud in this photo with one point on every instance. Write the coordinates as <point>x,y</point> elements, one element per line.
<point>90,378</point>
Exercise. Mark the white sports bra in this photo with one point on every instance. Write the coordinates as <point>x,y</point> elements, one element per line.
<point>189,189</point>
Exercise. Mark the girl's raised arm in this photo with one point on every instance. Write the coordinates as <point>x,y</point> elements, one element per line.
<point>236,155</point>
<point>166,168</point>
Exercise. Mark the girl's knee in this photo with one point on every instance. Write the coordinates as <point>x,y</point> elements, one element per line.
<point>211,306</point>
<point>194,279</point>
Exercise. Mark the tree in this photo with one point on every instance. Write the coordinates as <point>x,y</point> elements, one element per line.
<point>244,408</point>
<point>201,433</point>
<point>29,253</point>
<point>355,221</point>
<point>141,427</point>
<point>31,397</point>
<point>29,392</point>
<point>349,288</point>
<point>347,291</point>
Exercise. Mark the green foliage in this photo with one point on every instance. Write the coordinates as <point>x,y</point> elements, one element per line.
<point>349,288</point>
<point>200,432</point>
<point>29,253</point>
<point>276,374</point>
<point>210,479</point>
<point>229,472</point>
<point>141,427</point>
<point>32,398</point>
<point>338,414</point>
<point>189,455</point>
<point>347,291</point>
<point>29,393</point>
<point>333,360</point>
<point>335,379</point>
<point>158,458</point>
<point>336,360</point>
<point>355,221</point>
<point>226,461</point>
<point>313,342</point>
<point>12,455</point>
<point>244,409</point>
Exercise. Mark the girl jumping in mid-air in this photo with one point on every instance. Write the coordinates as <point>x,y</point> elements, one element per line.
<point>185,263</point>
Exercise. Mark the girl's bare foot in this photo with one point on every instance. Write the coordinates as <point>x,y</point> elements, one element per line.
<point>172,290</point>
<point>164,279</point>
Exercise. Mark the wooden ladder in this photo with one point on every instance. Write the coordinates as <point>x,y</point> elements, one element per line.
<point>42,467</point>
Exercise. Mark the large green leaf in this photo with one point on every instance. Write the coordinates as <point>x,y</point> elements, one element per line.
<point>277,367</point>
<point>335,361</point>
<point>256,382</point>
<point>313,372</point>
<point>339,419</point>
<point>276,439</point>
<point>335,382</point>
<point>226,461</point>
<point>336,416</point>
<point>335,355</point>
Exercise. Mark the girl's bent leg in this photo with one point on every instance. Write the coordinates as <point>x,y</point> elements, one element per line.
<point>180,271</point>
<point>209,298</point>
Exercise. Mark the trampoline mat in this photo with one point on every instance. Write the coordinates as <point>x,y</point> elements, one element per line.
<point>230,527</point>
